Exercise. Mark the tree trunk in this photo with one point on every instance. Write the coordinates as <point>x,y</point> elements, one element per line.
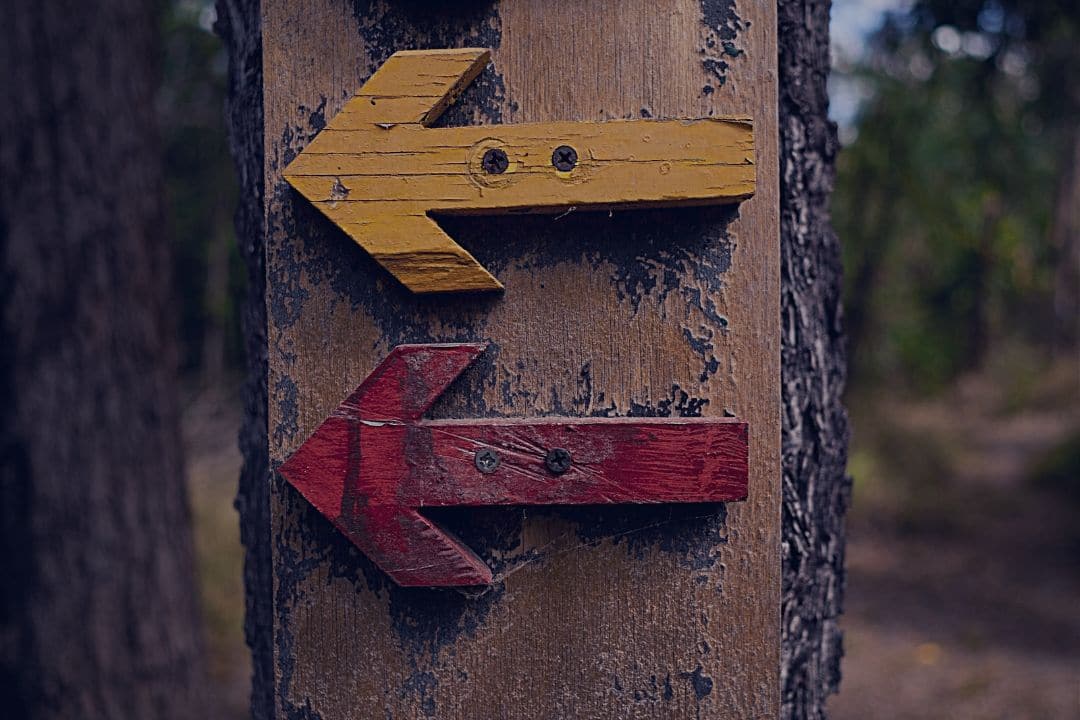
<point>98,607</point>
<point>814,368</point>
<point>215,302</point>
<point>815,490</point>
<point>240,27</point>
<point>1065,240</point>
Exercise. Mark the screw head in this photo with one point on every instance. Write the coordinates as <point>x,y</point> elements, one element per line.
<point>487,460</point>
<point>564,158</point>
<point>495,161</point>
<point>558,460</point>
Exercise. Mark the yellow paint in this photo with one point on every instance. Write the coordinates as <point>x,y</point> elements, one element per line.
<point>377,170</point>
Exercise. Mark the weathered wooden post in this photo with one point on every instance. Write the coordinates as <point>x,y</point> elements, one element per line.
<point>595,611</point>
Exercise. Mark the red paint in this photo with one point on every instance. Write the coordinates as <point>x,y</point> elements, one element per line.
<point>374,462</point>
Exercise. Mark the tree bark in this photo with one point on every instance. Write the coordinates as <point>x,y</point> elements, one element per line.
<point>814,369</point>
<point>98,607</point>
<point>815,434</point>
<point>240,27</point>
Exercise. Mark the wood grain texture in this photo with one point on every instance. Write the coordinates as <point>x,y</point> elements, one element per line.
<point>378,171</point>
<point>631,612</point>
<point>374,462</point>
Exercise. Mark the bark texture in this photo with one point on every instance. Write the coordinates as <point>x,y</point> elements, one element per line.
<point>239,26</point>
<point>98,608</point>
<point>816,491</point>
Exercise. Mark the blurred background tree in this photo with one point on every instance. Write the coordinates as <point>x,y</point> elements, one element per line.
<point>98,612</point>
<point>958,197</point>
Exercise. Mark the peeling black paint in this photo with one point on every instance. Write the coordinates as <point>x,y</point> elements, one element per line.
<point>723,25</point>
<point>699,681</point>
<point>422,684</point>
<point>656,691</point>
<point>679,404</point>
<point>286,392</point>
<point>647,251</point>
<point>702,345</point>
<point>298,555</point>
<point>317,117</point>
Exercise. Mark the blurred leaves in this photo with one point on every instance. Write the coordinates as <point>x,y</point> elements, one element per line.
<point>945,197</point>
<point>201,190</point>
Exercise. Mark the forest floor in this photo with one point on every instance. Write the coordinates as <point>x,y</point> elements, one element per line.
<point>963,597</point>
<point>211,422</point>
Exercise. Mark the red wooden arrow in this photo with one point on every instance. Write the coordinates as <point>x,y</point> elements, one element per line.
<point>374,462</point>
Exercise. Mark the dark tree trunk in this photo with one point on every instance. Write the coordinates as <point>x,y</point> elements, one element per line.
<point>814,367</point>
<point>240,28</point>
<point>98,608</point>
<point>1065,239</point>
<point>815,431</point>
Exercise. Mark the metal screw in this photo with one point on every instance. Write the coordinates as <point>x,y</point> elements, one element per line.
<point>495,161</point>
<point>557,460</point>
<point>487,460</point>
<point>564,158</point>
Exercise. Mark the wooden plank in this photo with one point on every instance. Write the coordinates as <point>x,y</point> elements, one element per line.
<point>631,612</point>
<point>374,462</point>
<point>377,171</point>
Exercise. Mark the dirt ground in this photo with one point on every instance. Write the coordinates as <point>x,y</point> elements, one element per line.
<point>210,423</point>
<point>963,564</point>
<point>963,570</point>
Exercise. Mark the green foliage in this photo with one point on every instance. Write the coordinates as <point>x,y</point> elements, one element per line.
<point>905,474</point>
<point>945,197</point>
<point>200,185</point>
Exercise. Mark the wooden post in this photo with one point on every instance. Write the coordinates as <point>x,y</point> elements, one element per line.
<point>645,612</point>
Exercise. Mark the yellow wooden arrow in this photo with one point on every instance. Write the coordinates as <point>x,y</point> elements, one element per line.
<point>377,170</point>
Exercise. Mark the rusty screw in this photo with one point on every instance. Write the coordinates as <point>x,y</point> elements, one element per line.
<point>487,460</point>
<point>557,460</point>
<point>495,161</point>
<point>564,158</point>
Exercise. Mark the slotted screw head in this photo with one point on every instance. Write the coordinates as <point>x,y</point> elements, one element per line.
<point>564,158</point>
<point>486,460</point>
<point>495,161</point>
<point>558,460</point>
